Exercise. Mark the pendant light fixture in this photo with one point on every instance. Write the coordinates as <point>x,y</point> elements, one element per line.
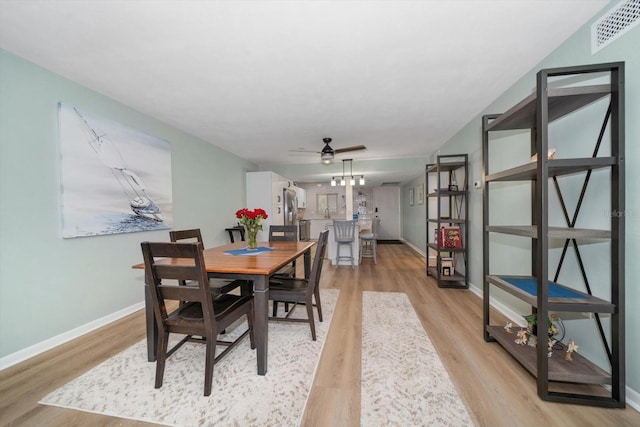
<point>344,177</point>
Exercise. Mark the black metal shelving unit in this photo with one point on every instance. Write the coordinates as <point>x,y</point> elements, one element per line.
<point>548,104</point>
<point>451,211</point>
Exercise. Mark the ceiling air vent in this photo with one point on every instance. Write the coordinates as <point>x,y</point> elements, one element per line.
<point>617,21</point>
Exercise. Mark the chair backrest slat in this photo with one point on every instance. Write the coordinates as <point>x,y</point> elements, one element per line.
<point>344,230</point>
<point>177,272</point>
<point>192,235</point>
<point>180,293</point>
<point>283,233</point>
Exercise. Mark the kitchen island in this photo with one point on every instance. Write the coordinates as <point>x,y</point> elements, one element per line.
<point>317,226</point>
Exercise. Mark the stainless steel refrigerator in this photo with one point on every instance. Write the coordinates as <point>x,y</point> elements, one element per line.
<point>290,207</point>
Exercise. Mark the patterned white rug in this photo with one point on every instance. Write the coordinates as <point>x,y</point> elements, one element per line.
<point>123,385</point>
<point>404,382</point>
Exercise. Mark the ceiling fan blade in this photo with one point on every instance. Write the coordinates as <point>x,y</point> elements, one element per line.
<point>302,154</point>
<point>347,149</point>
<point>304,151</point>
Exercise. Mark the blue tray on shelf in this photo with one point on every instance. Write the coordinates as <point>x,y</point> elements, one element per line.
<point>530,286</point>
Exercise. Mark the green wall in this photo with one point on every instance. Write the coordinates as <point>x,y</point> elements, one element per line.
<point>50,285</point>
<point>576,50</point>
<point>414,226</point>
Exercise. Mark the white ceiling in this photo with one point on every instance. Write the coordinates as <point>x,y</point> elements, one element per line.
<point>260,78</point>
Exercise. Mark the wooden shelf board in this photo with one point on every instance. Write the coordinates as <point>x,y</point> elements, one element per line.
<point>447,193</point>
<point>580,370</point>
<point>445,166</point>
<point>552,232</point>
<point>455,278</point>
<point>448,220</point>
<point>587,304</point>
<point>562,101</point>
<point>435,248</point>
<point>457,281</point>
<point>450,285</point>
<point>556,167</point>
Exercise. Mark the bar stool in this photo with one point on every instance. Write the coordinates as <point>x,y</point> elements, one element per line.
<point>369,241</point>
<point>344,234</point>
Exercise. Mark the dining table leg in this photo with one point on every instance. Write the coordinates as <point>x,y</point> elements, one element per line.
<point>261,325</point>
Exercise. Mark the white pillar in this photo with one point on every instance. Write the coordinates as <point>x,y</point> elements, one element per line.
<point>348,195</point>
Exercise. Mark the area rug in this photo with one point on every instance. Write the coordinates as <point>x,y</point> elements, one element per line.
<point>123,385</point>
<point>404,382</point>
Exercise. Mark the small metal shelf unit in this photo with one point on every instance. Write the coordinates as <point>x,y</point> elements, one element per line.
<point>447,183</point>
<point>535,113</point>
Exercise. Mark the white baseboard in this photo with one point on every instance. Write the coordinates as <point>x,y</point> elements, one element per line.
<point>415,248</point>
<point>41,347</point>
<point>508,312</point>
<point>633,398</point>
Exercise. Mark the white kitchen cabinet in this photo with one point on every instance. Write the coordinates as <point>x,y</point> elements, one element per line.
<point>301,194</point>
<point>276,193</point>
<point>277,215</point>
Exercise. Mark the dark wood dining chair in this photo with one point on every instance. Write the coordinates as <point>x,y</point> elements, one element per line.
<point>288,233</point>
<point>284,233</point>
<point>218,286</point>
<point>301,291</point>
<point>201,317</point>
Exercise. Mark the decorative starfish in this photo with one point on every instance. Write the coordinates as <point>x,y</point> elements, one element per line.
<point>571,347</point>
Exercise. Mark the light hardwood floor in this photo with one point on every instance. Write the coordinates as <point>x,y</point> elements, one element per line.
<point>495,388</point>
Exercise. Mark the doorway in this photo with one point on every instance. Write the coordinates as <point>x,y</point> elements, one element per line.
<point>386,206</point>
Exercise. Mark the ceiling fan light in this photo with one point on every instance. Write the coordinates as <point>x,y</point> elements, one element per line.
<point>361,179</point>
<point>326,157</point>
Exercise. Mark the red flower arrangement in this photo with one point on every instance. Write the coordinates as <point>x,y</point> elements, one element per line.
<point>252,221</point>
<point>246,214</point>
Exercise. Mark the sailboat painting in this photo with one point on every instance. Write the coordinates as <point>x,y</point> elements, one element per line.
<point>115,179</point>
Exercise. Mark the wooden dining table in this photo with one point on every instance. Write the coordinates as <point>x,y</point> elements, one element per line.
<point>256,268</point>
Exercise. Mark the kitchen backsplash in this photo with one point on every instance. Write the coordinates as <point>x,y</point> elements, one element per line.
<point>313,189</point>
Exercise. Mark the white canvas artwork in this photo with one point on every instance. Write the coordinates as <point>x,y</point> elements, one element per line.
<point>114,179</point>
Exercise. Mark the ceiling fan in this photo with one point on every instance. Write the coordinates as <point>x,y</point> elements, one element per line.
<point>328,153</point>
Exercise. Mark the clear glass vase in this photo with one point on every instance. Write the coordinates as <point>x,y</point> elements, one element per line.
<point>251,237</point>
